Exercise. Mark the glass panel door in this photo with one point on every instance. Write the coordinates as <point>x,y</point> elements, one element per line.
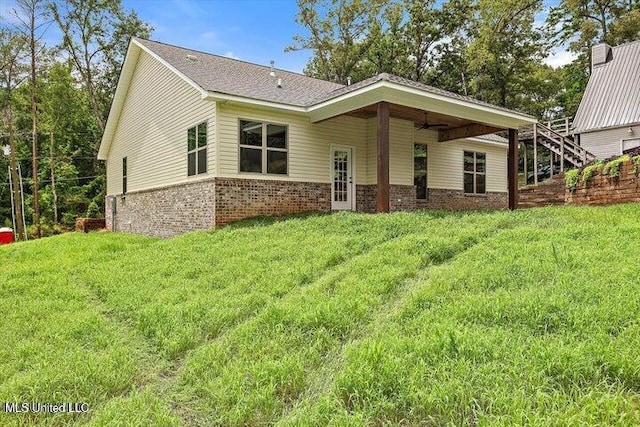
<point>342,179</point>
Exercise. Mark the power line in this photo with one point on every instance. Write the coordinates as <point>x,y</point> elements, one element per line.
<point>59,157</point>
<point>58,180</point>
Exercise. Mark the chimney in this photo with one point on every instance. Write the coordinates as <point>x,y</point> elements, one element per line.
<point>600,54</point>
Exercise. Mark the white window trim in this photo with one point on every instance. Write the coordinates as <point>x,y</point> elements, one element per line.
<point>263,148</point>
<point>475,186</point>
<point>197,149</point>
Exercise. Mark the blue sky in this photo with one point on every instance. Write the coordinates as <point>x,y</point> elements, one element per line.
<point>252,30</point>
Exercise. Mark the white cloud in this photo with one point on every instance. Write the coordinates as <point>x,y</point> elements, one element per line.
<point>231,55</point>
<point>560,58</point>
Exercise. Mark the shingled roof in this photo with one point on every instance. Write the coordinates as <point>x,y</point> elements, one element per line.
<point>612,96</point>
<point>229,76</point>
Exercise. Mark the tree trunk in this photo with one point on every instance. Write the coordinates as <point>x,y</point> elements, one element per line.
<point>15,179</point>
<point>34,129</point>
<point>54,194</point>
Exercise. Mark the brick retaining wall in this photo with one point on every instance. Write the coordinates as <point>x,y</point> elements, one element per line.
<point>549,192</point>
<point>605,190</point>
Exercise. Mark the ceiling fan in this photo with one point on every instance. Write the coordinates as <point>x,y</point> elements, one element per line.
<point>427,125</point>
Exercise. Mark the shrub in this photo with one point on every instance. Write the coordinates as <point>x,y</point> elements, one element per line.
<point>93,211</point>
<point>589,171</point>
<point>612,168</point>
<point>636,164</point>
<point>571,179</point>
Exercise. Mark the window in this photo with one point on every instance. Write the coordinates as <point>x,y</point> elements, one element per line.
<point>420,170</point>
<point>475,172</point>
<point>197,149</point>
<point>263,147</point>
<point>124,175</point>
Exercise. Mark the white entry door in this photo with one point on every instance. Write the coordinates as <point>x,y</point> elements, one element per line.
<point>343,182</point>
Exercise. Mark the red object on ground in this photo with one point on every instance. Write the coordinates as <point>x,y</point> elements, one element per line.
<point>6,236</point>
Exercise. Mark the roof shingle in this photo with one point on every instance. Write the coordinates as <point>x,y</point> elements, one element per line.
<point>228,76</point>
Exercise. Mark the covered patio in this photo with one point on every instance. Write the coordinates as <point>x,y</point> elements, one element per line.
<point>453,116</point>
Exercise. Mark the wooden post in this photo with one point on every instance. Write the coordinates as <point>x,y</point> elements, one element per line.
<point>551,162</point>
<point>383,157</point>
<point>512,169</point>
<point>525,164</point>
<point>562,156</point>
<point>535,153</point>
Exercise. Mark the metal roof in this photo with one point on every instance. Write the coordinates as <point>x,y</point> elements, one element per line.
<point>612,96</point>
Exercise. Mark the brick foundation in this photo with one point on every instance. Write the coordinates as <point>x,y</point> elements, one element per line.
<point>164,212</point>
<point>457,200</point>
<point>401,198</point>
<point>238,198</point>
<point>201,205</point>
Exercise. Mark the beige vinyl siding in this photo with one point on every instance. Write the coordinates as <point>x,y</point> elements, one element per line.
<point>152,129</point>
<point>400,151</point>
<point>309,144</point>
<point>309,150</point>
<point>445,162</point>
<point>607,143</point>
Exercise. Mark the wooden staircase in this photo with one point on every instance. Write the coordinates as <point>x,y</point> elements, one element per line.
<point>549,192</point>
<point>557,142</point>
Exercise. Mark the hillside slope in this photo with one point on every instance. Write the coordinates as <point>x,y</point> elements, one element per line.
<point>503,318</point>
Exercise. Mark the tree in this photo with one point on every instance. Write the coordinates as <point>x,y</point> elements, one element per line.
<point>578,25</point>
<point>340,34</point>
<point>31,14</point>
<point>95,36</point>
<point>12,73</point>
<point>505,49</point>
<point>583,23</point>
<point>430,31</point>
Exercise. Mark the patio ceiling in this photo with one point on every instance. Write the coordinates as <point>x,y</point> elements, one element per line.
<point>456,127</point>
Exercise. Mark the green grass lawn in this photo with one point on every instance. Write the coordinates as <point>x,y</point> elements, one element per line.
<point>430,318</point>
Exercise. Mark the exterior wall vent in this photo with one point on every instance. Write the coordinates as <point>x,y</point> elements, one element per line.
<point>601,54</point>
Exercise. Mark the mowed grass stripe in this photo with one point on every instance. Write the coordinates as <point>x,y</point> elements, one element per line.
<point>179,292</point>
<point>525,340</point>
<point>248,381</point>
<point>193,288</point>
<point>404,319</point>
<point>57,345</point>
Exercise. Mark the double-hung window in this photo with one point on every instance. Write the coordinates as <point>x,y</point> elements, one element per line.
<point>263,147</point>
<point>475,172</point>
<point>124,175</point>
<point>197,149</point>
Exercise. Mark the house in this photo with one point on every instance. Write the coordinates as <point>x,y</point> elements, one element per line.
<point>195,141</point>
<point>607,122</point>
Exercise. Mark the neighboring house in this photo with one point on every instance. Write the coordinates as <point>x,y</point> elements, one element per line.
<point>608,118</point>
<point>195,141</point>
